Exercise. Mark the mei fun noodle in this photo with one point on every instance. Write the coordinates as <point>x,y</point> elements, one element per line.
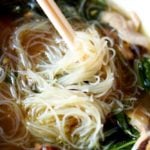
<point>77,120</point>
<point>55,97</point>
<point>70,68</point>
<point>48,112</point>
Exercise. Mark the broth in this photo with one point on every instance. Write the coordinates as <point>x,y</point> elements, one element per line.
<point>36,52</point>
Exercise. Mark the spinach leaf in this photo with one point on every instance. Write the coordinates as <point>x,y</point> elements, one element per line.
<point>124,145</point>
<point>119,134</point>
<point>123,122</point>
<point>18,8</point>
<point>15,7</point>
<point>142,67</point>
<point>87,9</point>
<point>91,9</point>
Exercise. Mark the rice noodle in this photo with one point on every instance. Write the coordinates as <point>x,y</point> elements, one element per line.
<point>16,121</point>
<point>61,116</point>
<point>71,68</point>
<point>2,74</point>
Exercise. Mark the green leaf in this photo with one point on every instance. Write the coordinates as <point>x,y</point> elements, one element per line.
<point>124,145</point>
<point>87,9</point>
<point>142,67</point>
<point>119,134</point>
<point>123,122</point>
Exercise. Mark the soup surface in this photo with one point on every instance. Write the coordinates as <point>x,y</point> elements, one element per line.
<point>52,97</point>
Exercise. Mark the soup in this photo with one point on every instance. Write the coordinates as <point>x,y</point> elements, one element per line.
<point>53,97</point>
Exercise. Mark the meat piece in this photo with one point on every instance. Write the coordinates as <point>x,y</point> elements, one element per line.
<point>126,29</point>
<point>140,119</point>
<point>143,142</point>
<point>148,145</point>
<point>134,23</point>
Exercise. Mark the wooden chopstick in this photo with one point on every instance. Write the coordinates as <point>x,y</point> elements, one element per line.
<point>58,20</point>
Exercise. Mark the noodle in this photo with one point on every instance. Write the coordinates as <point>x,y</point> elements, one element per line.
<point>71,69</point>
<point>75,117</point>
<point>10,133</point>
<point>2,74</point>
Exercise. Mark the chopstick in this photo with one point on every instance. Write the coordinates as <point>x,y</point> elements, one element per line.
<point>58,20</point>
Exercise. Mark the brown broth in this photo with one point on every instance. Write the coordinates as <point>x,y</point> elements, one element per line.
<point>6,27</point>
<point>145,101</point>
